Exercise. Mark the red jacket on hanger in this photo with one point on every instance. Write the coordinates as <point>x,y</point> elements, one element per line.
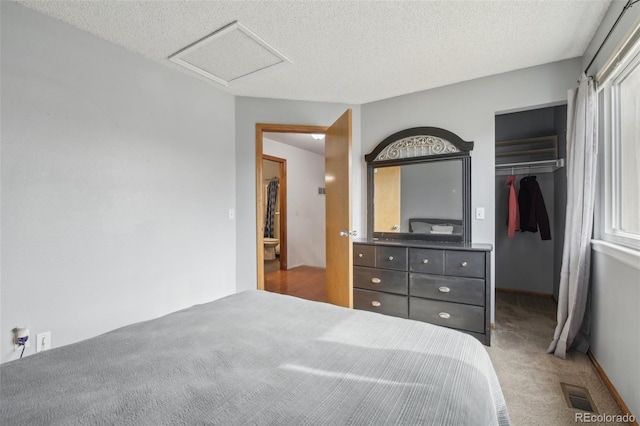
<point>513,216</point>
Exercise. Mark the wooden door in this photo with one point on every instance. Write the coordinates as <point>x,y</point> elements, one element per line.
<point>386,199</point>
<point>339,273</point>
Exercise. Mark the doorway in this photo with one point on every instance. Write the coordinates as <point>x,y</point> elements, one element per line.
<point>275,212</point>
<point>530,147</point>
<point>266,131</point>
<point>338,239</point>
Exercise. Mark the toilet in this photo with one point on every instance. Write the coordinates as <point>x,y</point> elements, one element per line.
<point>270,248</point>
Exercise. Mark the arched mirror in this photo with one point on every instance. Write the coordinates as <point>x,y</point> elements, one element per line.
<point>419,186</point>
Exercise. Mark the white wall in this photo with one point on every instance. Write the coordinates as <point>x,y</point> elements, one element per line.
<point>117,177</point>
<point>615,286</point>
<point>250,111</point>
<point>305,207</point>
<point>468,109</point>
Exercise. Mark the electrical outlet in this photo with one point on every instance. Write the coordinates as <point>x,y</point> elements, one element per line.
<point>43,341</point>
<point>18,348</point>
<point>21,334</point>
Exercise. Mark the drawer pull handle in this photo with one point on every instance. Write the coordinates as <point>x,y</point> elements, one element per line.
<point>444,289</point>
<point>390,257</point>
<point>464,264</point>
<point>444,315</point>
<point>375,303</point>
<point>376,280</point>
<point>425,260</point>
<point>360,254</point>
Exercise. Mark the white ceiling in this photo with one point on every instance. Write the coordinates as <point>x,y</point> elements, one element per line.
<point>352,51</point>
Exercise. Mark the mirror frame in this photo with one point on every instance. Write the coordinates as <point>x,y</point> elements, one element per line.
<point>421,145</point>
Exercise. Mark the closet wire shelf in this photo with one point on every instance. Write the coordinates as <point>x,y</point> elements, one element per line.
<point>544,166</point>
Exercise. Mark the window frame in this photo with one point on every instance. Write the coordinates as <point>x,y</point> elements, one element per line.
<point>611,119</point>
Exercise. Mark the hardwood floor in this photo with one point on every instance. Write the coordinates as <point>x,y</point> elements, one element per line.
<point>306,282</point>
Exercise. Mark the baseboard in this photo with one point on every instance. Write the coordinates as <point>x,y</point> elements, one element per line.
<point>525,293</point>
<point>616,396</point>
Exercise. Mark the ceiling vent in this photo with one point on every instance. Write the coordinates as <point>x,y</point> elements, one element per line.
<point>232,53</point>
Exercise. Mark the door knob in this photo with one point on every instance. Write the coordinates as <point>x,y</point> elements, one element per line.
<point>348,233</point>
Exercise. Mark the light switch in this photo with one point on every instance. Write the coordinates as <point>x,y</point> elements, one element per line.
<point>479,213</point>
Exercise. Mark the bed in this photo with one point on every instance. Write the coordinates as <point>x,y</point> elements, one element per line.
<point>259,358</point>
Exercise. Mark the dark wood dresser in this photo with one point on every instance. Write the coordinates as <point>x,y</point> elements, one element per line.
<point>447,284</point>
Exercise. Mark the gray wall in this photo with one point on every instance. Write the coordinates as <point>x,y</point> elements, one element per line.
<point>250,111</point>
<point>526,262</point>
<point>117,177</point>
<point>615,323</point>
<point>615,285</point>
<point>468,109</point>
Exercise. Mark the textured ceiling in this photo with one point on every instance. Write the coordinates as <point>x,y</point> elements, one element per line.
<point>352,51</point>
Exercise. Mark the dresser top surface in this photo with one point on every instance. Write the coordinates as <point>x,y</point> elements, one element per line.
<point>425,244</point>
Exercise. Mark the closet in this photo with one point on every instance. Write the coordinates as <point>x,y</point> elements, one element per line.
<point>532,145</point>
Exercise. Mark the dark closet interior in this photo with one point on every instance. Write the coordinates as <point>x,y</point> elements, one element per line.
<point>531,143</point>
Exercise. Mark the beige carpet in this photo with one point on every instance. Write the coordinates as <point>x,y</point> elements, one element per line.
<point>530,378</point>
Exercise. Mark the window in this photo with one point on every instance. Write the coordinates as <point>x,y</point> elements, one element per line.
<point>621,118</point>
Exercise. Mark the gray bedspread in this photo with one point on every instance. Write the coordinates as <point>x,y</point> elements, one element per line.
<point>259,358</point>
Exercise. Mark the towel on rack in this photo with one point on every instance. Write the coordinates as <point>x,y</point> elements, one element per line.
<point>533,213</point>
<point>513,212</point>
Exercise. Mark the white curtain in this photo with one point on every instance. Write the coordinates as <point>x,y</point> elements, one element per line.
<point>582,153</point>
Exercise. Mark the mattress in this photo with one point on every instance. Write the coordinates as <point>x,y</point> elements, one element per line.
<point>259,358</point>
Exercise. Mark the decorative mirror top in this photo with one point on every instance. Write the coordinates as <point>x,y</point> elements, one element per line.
<point>411,145</point>
<point>416,146</point>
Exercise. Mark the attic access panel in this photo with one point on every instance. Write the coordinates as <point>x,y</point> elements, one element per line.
<point>229,54</point>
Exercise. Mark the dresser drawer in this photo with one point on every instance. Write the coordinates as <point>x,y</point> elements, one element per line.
<point>448,314</point>
<point>391,258</point>
<point>464,263</point>
<point>383,303</point>
<point>451,289</point>
<point>364,255</point>
<point>426,260</point>
<point>380,279</point>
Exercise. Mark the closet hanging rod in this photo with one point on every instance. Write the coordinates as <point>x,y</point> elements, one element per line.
<point>544,166</point>
<point>542,163</point>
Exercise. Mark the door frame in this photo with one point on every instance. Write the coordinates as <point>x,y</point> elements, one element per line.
<point>282,206</point>
<point>262,128</point>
